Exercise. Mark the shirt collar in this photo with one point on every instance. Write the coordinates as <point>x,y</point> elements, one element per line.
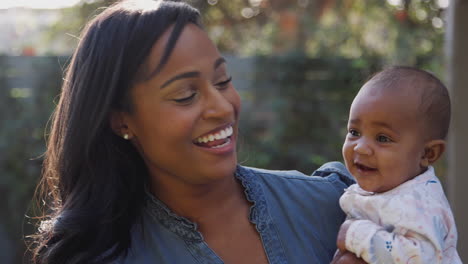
<point>188,229</point>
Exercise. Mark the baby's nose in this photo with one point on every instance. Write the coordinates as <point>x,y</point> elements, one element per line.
<point>363,147</point>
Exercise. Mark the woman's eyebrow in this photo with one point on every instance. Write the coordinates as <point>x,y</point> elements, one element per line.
<point>218,62</point>
<point>192,74</point>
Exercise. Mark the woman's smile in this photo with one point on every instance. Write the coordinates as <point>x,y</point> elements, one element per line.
<point>214,137</point>
<point>219,140</point>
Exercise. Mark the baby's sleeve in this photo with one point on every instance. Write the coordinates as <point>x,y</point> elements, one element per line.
<point>375,244</point>
<point>410,232</point>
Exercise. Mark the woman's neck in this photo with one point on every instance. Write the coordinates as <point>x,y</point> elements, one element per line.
<point>199,202</point>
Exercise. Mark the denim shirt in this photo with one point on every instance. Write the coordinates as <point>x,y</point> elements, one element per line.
<point>297,217</point>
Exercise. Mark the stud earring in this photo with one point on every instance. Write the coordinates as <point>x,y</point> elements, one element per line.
<point>125,136</point>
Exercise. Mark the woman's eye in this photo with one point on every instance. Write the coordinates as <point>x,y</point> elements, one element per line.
<point>383,139</point>
<point>353,133</point>
<point>224,84</point>
<point>185,99</point>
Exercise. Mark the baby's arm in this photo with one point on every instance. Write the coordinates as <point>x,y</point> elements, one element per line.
<point>412,224</point>
<point>375,244</point>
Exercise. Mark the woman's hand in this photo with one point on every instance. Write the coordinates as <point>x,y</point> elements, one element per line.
<point>346,257</point>
<point>343,256</point>
<point>341,239</point>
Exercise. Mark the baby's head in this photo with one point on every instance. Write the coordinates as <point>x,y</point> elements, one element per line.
<point>397,127</point>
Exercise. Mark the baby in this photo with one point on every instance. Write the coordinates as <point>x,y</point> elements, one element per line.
<point>397,212</point>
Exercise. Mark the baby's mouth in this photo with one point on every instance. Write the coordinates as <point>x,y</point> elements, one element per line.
<point>216,139</point>
<point>364,167</point>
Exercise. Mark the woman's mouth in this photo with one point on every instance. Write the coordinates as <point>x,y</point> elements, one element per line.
<point>217,139</point>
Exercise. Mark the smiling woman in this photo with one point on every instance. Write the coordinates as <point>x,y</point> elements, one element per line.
<point>141,163</point>
<point>190,98</point>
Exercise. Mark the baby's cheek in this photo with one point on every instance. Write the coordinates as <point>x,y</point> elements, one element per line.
<point>346,151</point>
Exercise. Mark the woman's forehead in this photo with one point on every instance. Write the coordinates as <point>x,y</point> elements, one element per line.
<point>192,45</point>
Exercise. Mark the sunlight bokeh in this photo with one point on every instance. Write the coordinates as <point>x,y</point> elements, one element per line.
<point>45,4</point>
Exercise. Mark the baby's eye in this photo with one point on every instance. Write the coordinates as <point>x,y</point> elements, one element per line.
<point>354,133</point>
<point>383,139</point>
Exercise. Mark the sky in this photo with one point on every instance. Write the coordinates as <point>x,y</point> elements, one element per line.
<point>46,4</point>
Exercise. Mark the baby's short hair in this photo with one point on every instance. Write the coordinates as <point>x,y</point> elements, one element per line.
<point>435,100</point>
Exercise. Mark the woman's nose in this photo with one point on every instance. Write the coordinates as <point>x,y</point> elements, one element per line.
<point>363,147</point>
<point>217,104</point>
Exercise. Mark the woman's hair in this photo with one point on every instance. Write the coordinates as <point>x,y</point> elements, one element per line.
<point>93,181</point>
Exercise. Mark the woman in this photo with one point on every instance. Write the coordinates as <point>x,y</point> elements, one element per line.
<point>141,162</point>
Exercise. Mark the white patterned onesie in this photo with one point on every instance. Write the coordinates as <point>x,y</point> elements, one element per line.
<point>411,223</point>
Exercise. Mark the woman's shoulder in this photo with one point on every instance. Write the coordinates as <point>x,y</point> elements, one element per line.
<point>330,174</point>
<point>300,204</point>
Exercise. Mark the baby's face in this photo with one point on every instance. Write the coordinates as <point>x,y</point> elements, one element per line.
<point>385,141</point>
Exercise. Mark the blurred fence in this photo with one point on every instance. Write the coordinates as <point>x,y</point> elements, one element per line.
<point>293,116</point>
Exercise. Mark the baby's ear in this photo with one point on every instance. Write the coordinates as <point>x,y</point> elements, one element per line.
<point>432,152</point>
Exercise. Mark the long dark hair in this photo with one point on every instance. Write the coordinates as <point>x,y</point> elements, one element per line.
<point>93,181</point>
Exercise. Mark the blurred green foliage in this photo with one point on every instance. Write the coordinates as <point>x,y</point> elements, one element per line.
<point>296,114</point>
<point>29,86</point>
<point>396,31</point>
<point>308,59</point>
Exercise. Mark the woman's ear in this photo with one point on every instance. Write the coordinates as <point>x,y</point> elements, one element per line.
<point>119,125</point>
<point>433,150</point>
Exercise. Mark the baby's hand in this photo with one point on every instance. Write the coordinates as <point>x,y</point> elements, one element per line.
<point>341,240</point>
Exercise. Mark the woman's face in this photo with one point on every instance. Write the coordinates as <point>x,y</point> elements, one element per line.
<point>184,120</point>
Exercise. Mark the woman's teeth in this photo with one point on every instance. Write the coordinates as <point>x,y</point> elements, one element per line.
<point>225,133</point>
<point>224,144</point>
